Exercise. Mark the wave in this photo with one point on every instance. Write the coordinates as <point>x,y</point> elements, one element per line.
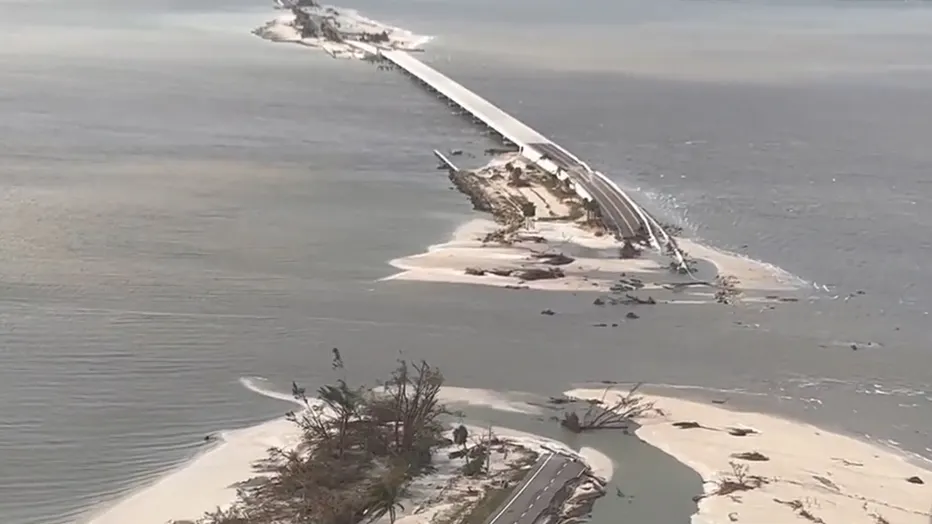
<point>261,385</point>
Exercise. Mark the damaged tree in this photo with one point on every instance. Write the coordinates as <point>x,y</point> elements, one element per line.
<point>619,415</point>
<point>359,450</point>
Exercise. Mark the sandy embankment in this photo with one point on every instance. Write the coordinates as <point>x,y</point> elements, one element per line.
<point>208,481</point>
<point>560,226</point>
<point>810,474</point>
<point>448,262</point>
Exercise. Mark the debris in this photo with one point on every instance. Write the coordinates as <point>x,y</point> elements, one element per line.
<point>554,259</point>
<point>687,425</point>
<point>752,456</point>
<point>538,273</point>
<point>548,312</point>
<point>617,415</point>
<point>915,480</point>
<point>632,315</point>
<point>628,251</point>
<point>631,299</point>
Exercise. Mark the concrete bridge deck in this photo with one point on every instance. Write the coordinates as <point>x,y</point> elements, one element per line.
<point>628,219</point>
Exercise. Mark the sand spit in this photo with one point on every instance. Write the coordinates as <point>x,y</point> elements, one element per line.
<point>541,235</point>
<point>749,273</point>
<point>204,483</point>
<point>763,469</point>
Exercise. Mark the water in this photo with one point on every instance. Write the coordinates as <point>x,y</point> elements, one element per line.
<point>184,204</point>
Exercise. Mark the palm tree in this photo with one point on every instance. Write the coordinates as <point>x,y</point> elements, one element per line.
<point>345,403</point>
<point>385,497</point>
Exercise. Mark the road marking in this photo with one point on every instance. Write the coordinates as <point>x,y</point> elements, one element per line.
<point>523,488</point>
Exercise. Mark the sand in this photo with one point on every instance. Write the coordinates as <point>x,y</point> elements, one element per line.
<point>825,475</point>
<point>451,396</point>
<point>751,274</point>
<point>602,466</point>
<point>205,482</point>
<point>447,262</point>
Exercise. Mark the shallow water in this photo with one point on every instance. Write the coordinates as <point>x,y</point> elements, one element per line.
<point>185,204</point>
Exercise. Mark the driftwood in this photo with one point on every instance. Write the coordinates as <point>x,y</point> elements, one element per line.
<point>526,274</point>
<point>539,273</point>
<point>554,259</point>
<point>629,300</point>
<point>615,416</point>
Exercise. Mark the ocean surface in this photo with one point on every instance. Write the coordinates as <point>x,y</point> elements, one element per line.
<point>183,204</point>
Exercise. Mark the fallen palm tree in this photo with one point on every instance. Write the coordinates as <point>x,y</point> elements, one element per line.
<point>618,415</point>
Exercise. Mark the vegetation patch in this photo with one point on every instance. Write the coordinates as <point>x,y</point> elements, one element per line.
<point>360,449</point>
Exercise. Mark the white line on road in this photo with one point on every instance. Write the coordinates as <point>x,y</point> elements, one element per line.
<point>523,488</point>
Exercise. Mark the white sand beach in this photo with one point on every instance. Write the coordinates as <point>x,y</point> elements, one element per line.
<point>204,483</point>
<point>447,262</point>
<point>810,475</point>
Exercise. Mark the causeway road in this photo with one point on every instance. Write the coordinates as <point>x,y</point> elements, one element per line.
<point>535,495</point>
<point>618,210</point>
<point>615,207</point>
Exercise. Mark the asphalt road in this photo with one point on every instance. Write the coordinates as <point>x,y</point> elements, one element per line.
<point>538,489</point>
<point>615,208</point>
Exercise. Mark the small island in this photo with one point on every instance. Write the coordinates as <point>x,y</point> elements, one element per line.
<point>396,453</point>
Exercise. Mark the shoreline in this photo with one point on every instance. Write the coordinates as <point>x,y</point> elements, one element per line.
<point>707,443</point>
<point>213,474</point>
<point>763,468</point>
<point>834,477</point>
<point>446,262</point>
<point>535,210</point>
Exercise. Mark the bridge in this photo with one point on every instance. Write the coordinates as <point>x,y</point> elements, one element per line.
<point>626,217</point>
